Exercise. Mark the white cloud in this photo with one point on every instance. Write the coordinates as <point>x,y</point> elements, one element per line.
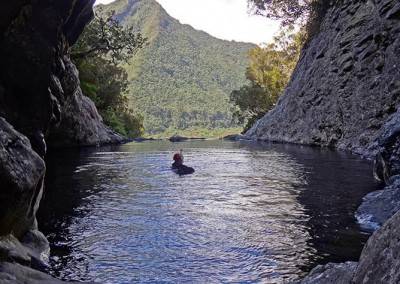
<point>225,19</point>
<point>103,1</point>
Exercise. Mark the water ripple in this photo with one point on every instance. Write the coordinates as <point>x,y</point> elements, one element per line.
<point>240,218</point>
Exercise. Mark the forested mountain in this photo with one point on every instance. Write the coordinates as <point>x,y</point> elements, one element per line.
<point>182,79</point>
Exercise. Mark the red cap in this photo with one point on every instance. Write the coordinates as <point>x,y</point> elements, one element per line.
<point>177,157</point>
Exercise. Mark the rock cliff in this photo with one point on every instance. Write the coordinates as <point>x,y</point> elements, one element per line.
<point>344,93</point>
<point>41,104</point>
<point>345,87</point>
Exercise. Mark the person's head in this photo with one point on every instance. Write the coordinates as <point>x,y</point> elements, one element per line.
<point>177,157</point>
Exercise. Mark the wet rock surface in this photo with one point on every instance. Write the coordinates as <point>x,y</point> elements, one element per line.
<point>379,206</point>
<point>14,273</point>
<point>379,261</point>
<point>331,273</point>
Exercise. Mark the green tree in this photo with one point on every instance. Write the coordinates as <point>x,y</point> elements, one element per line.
<point>308,13</point>
<point>269,72</point>
<point>104,44</point>
<point>250,101</point>
<point>105,37</point>
<point>288,11</point>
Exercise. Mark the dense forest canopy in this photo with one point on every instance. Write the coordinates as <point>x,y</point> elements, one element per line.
<point>180,82</point>
<point>104,36</point>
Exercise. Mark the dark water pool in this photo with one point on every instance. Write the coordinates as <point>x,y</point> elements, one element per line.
<point>251,213</point>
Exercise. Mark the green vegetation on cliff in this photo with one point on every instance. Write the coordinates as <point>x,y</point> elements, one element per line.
<point>268,73</point>
<point>103,45</point>
<point>308,14</point>
<point>180,82</point>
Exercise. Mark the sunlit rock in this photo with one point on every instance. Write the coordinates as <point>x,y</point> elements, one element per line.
<point>345,86</point>
<point>379,206</point>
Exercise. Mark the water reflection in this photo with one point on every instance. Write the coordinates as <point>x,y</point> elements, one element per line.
<point>251,213</point>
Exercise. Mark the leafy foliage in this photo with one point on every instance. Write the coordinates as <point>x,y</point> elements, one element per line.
<point>96,54</point>
<point>268,73</point>
<point>104,36</point>
<point>289,11</point>
<point>251,102</point>
<point>308,13</point>
<point>180,83</point>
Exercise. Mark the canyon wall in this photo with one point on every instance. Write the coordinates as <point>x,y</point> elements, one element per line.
<point>344,93</point>
<point>41,105</point>
<point>345,86</point>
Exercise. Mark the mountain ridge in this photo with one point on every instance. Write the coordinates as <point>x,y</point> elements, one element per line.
<point>182,79</point>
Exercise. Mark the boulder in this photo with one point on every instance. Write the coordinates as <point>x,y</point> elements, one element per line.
<point>11,250</point>
<point>80,124</point>
<point>380,261</point>
<point>21,182</point>
<point>379,206</point>
<point>331,273</point>
<point>177,138</point>
<point>235,137</point>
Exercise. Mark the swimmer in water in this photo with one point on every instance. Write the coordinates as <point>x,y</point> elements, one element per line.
<point>178,166</point>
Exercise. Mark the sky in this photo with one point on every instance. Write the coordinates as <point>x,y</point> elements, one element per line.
<point>224,19</point>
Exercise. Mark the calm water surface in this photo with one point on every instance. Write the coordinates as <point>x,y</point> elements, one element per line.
<point>251,213</point>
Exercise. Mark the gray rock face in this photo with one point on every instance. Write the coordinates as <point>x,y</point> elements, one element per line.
<point>18,274</point>
<point>345,86</point>
<point>331,273</point>
<point>379,261</point>
<point>21,181</point>
<point>388,164</point>
<point>80,124</point>
<point>379,206</point>
<point>344,93</point>
<point>40,100</point>
<point>39,84</point>
<point>21,188</point>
